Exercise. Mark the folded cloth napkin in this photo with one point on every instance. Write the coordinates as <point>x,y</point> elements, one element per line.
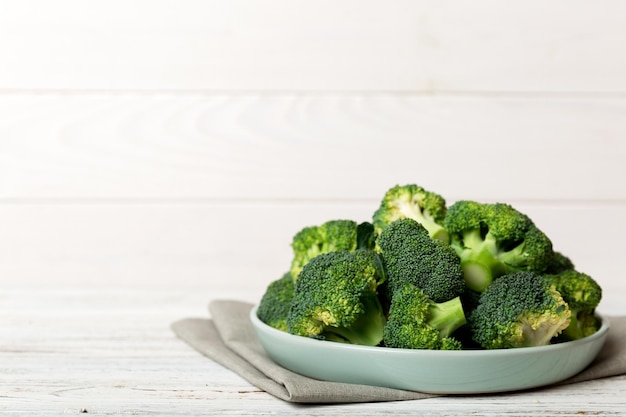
<point>230,340</point>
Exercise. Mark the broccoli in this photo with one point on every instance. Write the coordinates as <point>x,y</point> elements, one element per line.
<point>411,256</point>
<point>495,239</point>
<point>365,236</point>
<point>518,310</point>
<point>311,241</point>
<point>559,263</point>
<point>470,298</point>
<point>336,298</point>
<point>414,202</point>
<point>582,294</point>
<point>276,302</point>
<point>416,322</point>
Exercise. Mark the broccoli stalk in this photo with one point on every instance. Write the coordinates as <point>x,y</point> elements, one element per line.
<point>336,298</point>
<point>584,323</point>
<point>416,322</point>
<point>478,263</point>
<point>447,317</point>
<point>413,202</point>
<point>518,310</point>
<point>365,330</point>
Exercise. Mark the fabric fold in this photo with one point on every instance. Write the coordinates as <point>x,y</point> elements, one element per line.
<point>229,339</point>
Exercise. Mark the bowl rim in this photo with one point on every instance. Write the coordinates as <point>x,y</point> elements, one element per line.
<point>275,333</point>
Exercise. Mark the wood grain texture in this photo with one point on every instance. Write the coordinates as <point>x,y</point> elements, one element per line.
<point>310,146</point>
<point>234,246</point>
<point>289,45</point>
<point>112,353</point>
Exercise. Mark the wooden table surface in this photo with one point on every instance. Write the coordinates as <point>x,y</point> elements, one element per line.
<point>111,352</point>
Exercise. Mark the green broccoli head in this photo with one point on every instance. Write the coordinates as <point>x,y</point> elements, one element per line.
<point>311,241</point>
<point>336,298</point>
<point>495,239</point>
<point>413,202</point>
<point>411,256</point>
<point>276,302</point>
<point>518,310</point>
<point>416,322</point>
<point>582,294</point>
<point>559,263</point>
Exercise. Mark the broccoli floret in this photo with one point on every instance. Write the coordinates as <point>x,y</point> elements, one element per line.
<point>416,322</point>
<point>495,239</point>
<point>413,202</point>
<point>276,302</point>
<point>311,241</point>
<point>365,236</point>
<point>411,256</point>
<point>518,310</point>
<point>559,263</point>
<point>582,294</point>
<point>336,298</point>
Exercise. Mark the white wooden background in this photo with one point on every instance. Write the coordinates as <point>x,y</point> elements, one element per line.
<point>177,146</point>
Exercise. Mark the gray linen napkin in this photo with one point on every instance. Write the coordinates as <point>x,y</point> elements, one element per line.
<point>229,339</point>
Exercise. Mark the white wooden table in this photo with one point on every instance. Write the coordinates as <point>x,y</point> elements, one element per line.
<point>111,352</point>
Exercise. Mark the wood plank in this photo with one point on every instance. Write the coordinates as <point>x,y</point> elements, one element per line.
<point>112,353</point>
<point>309,146</point>
<point>289,45</point>
<point>235,247</point>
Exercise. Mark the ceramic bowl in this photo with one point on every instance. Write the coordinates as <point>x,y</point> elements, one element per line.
<point>431,371</point>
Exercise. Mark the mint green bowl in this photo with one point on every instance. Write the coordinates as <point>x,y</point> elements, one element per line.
<point>431,371</point>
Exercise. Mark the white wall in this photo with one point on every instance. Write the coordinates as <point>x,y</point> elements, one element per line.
<point>159,143</point>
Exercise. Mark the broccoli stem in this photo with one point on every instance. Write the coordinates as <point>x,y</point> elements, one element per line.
<point>435,230</point>
<point>514,258</point>
<point>477,276</point>
<point>480,269</point>
<point>582,324</point>
<point>366,330</point>
<point>439,232</point>
<point>575,329</point>
<point>473,239</point>
<point>447,316</point>
<point>478,261</point>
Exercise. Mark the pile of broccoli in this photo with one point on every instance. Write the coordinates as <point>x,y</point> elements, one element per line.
<point>424,275</point>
